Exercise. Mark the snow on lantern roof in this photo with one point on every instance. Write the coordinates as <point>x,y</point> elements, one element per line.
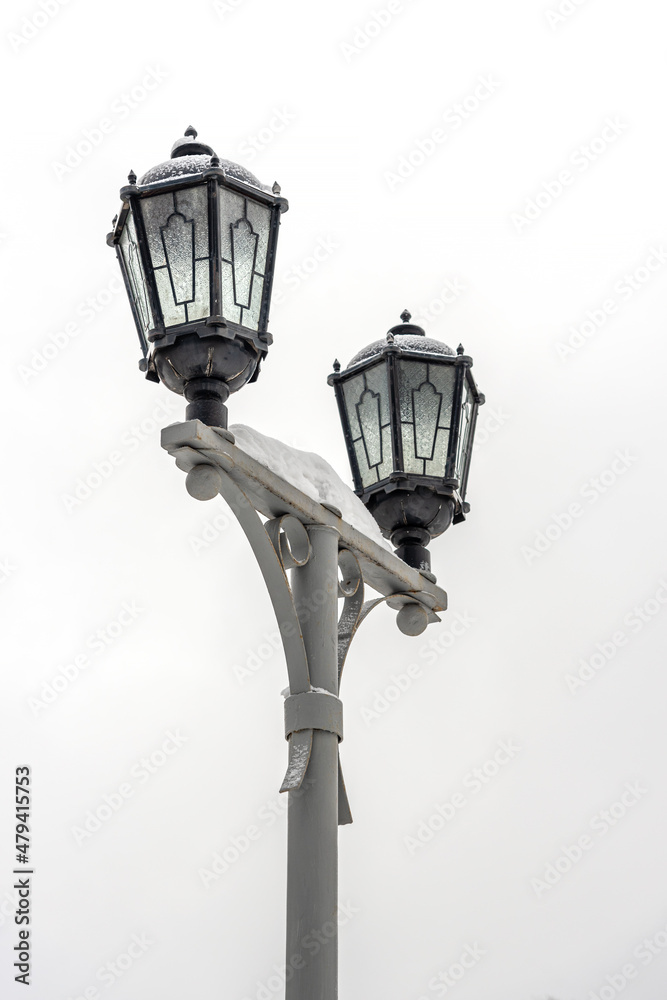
<point>408,337</point>
<point>189,156</point>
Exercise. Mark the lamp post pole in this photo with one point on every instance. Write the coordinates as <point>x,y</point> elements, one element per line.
<point>312,824</point>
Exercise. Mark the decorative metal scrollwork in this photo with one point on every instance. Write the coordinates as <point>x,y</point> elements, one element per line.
<point>412,617</point>
<point>279,545</point>
<point>290,539</point>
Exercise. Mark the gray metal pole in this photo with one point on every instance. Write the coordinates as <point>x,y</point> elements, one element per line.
<point>312,825</point>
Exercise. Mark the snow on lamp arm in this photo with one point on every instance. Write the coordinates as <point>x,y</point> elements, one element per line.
<point>196,242</point>
<point>408,406</point>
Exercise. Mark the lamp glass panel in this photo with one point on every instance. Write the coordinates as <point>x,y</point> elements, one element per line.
<point>176,226</point>
<point>232,208</point>
<point>129,248</point>
<point>464,445</point>
<point>250,316</point>
<point>366,397</point>
<point>230,310</point>
<point>259,217</point>
<point>425,393</point>
<point>244,241</point>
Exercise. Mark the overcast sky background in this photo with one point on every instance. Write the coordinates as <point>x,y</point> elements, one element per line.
<point>341,110</point>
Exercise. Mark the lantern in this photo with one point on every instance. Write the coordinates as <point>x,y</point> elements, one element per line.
<point>408,406</point>
<point>196,242</point>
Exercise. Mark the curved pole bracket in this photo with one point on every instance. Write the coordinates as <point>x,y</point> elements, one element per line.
<point>279,544</point>
<point>214,465</point>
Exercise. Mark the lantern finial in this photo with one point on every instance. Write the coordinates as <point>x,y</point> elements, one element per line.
<point>405,328</point>
<point>336,365</point>
<point>187,145</point>
<point>460,349</point>
<point>132,177</point>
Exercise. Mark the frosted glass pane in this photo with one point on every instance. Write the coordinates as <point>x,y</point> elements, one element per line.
<point>368,475</point>
<point>259,217</point>
<point>171,312</point>
<point>368,415</point>
<point>193,204</point>
<point>425,393</point>
<point>464,434</point>
<point>443,378</point>
<point>377,380</point>
<point>387,466</point>
<point>411,463</point>
<point>200,308</point>
<point>251,315</point>
<point>244,250</point>
<point>135,274</point>
<point>411,374</point>
<point>352,389</point>
<point>177,232</point>
<point>232,208</point>
<point>426,403</point>
<point>230,310</point>
<point>436,467</point>
<point>155,212</point>
<point>178,239</point>
<point>366,403</point>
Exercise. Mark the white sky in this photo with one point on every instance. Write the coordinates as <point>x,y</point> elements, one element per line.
<point>335,116</point>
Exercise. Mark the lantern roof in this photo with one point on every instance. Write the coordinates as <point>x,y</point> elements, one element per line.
<point>408,337</point>
<point>190,156</point>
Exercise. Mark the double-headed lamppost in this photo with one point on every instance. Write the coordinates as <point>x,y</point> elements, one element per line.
<point>196,242</point>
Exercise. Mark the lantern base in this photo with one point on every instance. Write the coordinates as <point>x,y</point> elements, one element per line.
<point>415,555</point>
<point>411,546</point>
<point>206,398</point>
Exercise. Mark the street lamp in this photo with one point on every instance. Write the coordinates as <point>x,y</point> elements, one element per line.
<point>196,242</point>
<point>408,405</point>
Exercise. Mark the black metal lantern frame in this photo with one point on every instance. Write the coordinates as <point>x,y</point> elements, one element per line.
<point>408,408</point>
<point>196,243</point>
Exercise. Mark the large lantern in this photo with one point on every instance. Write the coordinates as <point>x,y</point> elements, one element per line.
<point>408,405</point>
<point>196,242</point>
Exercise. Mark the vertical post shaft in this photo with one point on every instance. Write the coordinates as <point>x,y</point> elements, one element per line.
<point>312,825</point>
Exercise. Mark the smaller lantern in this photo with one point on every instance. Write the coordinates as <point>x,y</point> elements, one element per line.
<point>196,242</point>
<point>408,406</point>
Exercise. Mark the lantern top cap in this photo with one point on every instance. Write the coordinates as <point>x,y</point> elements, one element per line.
<point>187,144</point>
<point>406,327</point>
<point>408,337</point>
<point>190,156</point>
